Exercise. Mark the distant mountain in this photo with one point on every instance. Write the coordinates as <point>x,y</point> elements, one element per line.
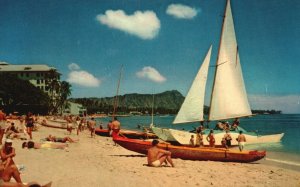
<point>167,102</point>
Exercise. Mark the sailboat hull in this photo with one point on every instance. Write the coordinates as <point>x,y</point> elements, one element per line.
<point>162,133</point>
<point>192,153</point>
<point>183,137</point>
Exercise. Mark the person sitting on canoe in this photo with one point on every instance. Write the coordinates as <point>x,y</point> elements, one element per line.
<point>211,138</point>
<point>235,124</point>
<point>35,145</point>
<point>157,156</point>
<point>62,140</point>
<point>220,126</point>
<point>226,126</point>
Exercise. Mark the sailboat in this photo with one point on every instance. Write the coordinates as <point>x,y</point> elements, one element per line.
<point>194,99</point>
<point>228,97</point>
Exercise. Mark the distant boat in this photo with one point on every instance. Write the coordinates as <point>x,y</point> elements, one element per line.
<point>193,153</point>
<point>228,97</point>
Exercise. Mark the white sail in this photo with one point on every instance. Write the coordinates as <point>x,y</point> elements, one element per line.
<point>192,107</point>
<point>229,98</point>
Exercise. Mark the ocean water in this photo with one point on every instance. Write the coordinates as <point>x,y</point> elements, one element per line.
<point>287,151</point>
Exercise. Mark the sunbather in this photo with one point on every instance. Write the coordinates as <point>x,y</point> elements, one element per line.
<point>63,140</point>
<point>35,145</point>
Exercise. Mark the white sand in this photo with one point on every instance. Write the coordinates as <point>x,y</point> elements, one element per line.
<point>97,162</point>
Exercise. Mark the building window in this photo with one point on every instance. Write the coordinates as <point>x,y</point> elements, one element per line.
<point>37,74</point>
<point>22,74</point>
<point>27,74</point>
<point>38,81</point>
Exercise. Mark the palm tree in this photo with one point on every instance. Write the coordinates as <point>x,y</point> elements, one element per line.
<point>64,92</point>
<point>53,84</point>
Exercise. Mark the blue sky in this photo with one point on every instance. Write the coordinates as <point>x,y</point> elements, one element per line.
<point>161,44</point>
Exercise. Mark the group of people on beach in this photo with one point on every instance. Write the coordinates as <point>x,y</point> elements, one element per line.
<point>23,131</point>
<point>9,129</point>
<point>210,138</point>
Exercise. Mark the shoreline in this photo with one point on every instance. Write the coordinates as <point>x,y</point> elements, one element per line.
<point>97,162</point>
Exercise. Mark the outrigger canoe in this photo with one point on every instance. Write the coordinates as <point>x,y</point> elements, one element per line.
<point>54,124</point>
<point>128,134</point>
<point>193,153</point>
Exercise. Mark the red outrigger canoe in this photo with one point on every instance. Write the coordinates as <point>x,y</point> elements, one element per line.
<point>193,153</point>
<point>128,134</point>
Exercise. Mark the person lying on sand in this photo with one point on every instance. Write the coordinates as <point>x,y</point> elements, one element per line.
<point>35,145</point>
<point>157,156</point>
<point>63,140</point>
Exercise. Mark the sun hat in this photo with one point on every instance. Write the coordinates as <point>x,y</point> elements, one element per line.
<point>8,141</point>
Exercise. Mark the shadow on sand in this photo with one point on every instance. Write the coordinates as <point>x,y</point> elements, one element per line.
<point>129,155</point>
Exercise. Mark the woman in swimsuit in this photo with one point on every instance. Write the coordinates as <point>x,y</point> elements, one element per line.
<point>211,139</point>
<point>29,124</point>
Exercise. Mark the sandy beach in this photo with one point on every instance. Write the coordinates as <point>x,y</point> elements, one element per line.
<point>97,162</point>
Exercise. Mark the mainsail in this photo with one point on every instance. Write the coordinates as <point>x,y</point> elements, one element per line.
<point>229,98</point>
<point>192,107</point>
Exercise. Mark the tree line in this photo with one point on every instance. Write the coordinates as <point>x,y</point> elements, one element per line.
<point>17,95</point>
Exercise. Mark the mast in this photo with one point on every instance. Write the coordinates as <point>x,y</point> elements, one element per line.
<point>116,98</point>
<point>152,120</point>
<point>224,15</point>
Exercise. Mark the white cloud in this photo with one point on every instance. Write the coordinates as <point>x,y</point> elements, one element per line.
<point>151,74</point>
<point>82,78</point>
<point>287,104</point>
<point>181,11</point>
<point>73,66</point>
<point>145,24</point>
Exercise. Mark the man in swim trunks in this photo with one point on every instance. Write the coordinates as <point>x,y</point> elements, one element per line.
<point>157,156</point>
<point>241,139</point>
<point>92,123</point>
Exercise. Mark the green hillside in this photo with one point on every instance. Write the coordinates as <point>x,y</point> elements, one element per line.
<point>167,102</point>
